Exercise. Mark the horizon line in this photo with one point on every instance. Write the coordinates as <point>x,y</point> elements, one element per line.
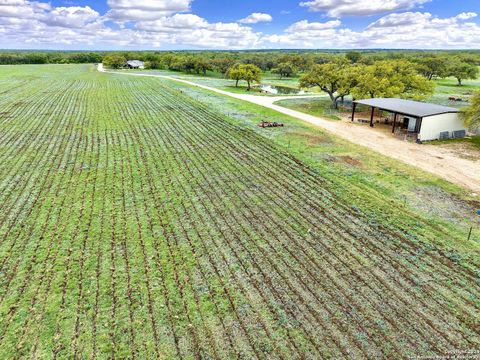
<point>238,50</point>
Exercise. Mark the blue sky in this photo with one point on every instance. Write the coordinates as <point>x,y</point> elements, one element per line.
<point>239,24</point>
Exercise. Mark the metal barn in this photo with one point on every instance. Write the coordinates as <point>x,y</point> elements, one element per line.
<point>427,121</point>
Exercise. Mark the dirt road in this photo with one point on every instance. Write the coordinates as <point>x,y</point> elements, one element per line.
<point>442,162</point>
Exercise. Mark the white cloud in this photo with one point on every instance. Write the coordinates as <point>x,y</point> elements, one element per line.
<point>402,30</point>
<point>304,25</point>
<point>22,9</point>
<point>192,30</point>
<point>42,12</point>
<point>175,23</point>
<point>71,17</point>
<point>35,24</point>
<point>423,30</point>
<point>402,21</point>
<point>167,24</point>
<point>304,34</point>
<point>466,16</point>
<point>256,18</point>
<point>82,26</point>
<point>339,8</point>
<point>129,10</point>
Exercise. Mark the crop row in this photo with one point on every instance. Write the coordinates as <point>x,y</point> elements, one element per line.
<point>137,223</point>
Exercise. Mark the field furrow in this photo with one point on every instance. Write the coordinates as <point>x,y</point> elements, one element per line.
<point>137,222</point>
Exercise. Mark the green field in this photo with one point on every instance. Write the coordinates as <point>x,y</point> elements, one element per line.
<point>144,219</point>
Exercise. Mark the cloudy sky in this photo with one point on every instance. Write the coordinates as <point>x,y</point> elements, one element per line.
<point>239,24</point>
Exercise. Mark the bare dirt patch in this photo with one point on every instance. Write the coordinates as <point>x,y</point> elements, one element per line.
<point>463,150</point>
<point>350,161</point>
<point>437,202</point>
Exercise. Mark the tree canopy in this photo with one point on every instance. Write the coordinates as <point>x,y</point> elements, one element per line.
<point>285,69</point>
<point>462,70</point>
<point>114,61</point>
<point>335,79</point>
<point>391,78</point>
<point>234,73</point>
<point>433,66</point>
<point>251,73</point>
<point>386,78</point>
<point>247,72</point>
<point>353,56</point>
<point>471,113</point>
<point>222,64</point>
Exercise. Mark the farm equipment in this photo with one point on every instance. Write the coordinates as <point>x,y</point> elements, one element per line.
<point>268,124</point>
<point>451,98</point>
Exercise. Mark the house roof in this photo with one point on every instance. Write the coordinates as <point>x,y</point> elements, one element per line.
<point>408,107</point>
<point>135,63</point>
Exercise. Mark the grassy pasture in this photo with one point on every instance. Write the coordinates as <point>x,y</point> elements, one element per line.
<point>140,221</point>
<point>216,80</point>
<point>448,87</point>
<point>321,107</point>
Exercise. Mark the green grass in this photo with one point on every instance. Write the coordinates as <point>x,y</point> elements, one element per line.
<point>446,88</point>
<point>138,220</point>
<point>216,80</point>
<point>318,107</point>
<point>212,81</point>
<point>474,141</point>
<point>273,79</point>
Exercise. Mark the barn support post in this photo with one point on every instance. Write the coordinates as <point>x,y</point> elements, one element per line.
<point>371,116</point>
<point>418,125</point>
<point>353,111</point>
<point>394,122</point>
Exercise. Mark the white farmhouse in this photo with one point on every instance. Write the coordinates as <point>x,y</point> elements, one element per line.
<point>427,121</point>
<point>136,64</point>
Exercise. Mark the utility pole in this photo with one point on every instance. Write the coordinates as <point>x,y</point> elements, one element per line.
<point>471,227</point>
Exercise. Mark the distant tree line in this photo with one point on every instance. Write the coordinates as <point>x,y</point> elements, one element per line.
<point>265,60</point>
<point>285,63</point>
<point>17,58</point>
<point>431,65</point>
<point>368,73</point>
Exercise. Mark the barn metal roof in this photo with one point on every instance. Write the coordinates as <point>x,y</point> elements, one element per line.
<point>408,107</point>
<point>135,63</point>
